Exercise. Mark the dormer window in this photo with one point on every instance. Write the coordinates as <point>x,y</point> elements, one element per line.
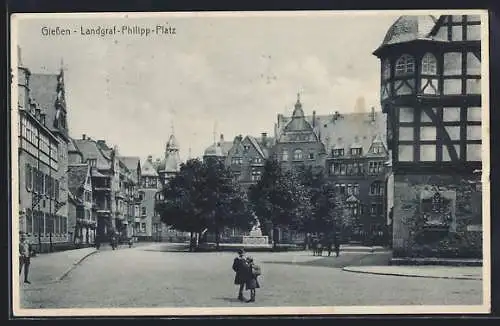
<point>338,152</point>
<point>92,162</point>
<point>405,65</point>
<point>355,151</point>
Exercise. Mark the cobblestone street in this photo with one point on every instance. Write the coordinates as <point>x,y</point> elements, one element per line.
<point>150,276</point>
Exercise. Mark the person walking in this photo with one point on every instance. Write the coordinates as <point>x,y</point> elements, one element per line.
<point>241,268</point>
<point>252,282</point>
<point>24,257</point>
<point>336,244</point>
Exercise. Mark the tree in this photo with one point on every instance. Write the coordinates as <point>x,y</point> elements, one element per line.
<point>203,196</point>
<point>279,198</point>
<point>226,204</point>
<point>327,205</point>
<point>181,208</point>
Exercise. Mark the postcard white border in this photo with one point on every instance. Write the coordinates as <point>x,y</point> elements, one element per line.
<point>354,310</point>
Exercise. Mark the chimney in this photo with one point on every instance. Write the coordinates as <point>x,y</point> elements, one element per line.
<point>84,137</point>
<point>373,113</point>
<point>264,138</point>
<point>19,57</point>
<point>314,118</point>
<point>150,158</point>
<point>221,138</point>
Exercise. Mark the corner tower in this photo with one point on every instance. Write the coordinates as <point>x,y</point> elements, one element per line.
<point>430,90</point>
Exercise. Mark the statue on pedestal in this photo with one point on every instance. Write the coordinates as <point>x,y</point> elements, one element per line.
<point>256,231</point>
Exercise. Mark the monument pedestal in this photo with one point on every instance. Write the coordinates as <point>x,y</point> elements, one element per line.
<point>255,238</point>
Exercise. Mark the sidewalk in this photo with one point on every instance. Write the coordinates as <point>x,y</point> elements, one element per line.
<point>443,272</point>
<point>52,267</point>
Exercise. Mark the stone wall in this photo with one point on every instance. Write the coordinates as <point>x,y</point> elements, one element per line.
<point>461,237</point>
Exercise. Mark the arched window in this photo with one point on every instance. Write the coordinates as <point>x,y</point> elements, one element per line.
<point>386,69</point>
<point>429,64</point>
<point>297,154</point>
<point>405,65</point>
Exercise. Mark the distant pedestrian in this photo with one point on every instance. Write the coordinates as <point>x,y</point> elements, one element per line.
<point>329,246</point>
<point>25,252</point>
<point>252,282</point>
<point>336,244</point>
<point>241,268</point>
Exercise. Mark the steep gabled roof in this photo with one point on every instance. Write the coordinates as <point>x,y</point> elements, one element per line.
<point>43,89</point>
<point>358,129</point>
<point>77,175</point>
<point>257,146</point>
<point>225,146</point>
<point>148,168</point>
<point>90,150</point>
<point>131,163</point>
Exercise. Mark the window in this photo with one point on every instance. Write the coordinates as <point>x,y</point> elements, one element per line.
<point>338,152</point>
<point>349,189</point>
<point>256,174</point>
<point>473,64</point>
<point>427,153</point>
<point>297,155</point>
<point>452,63</point>
<point>237,160</point>
<point>284,155</point>
<point>143,211</point>
<point>257,160</point>
<point>405,153</point>
<point>405,65</point>
<point>29,177</point>
<point>311,156</point>
<point>376,189</point>
<point>342,169</point>
<point>429,64</point>
<point>342,188</point>
<point>92,162</point>
<point>355,151</point>
<point>356,189</point>
<point>143,227</point>
<point>386,69</point>
<point>29,221</point>
<point>373,209</point>
<point>406,115</point>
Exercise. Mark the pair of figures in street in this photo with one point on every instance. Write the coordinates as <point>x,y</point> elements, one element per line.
<point>330,244</point>
<point>247,273</point>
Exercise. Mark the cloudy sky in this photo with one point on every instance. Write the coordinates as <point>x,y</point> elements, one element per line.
<point>234,73</point>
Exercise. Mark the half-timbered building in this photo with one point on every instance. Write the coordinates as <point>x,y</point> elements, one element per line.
<point>431,92</point>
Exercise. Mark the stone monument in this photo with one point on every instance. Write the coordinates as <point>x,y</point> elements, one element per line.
<point>255,237</point>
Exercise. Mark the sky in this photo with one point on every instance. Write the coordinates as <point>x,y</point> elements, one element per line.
<point>227,73</point>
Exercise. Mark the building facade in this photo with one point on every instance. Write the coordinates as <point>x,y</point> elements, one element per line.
<point>104,167</point>
<point>42,159</point>
<point>246,158</point>
<point>356,163</point>
<point>431,92</point>
<point>131,195</point>
<point>298,141</point>
<point>82,223</point>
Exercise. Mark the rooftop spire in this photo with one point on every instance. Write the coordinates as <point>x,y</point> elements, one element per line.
<point>298,112</point>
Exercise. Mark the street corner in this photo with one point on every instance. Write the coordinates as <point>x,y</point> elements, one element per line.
<point>440,272</point>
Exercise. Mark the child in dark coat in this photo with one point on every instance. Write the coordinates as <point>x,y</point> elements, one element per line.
<point>252,282</point>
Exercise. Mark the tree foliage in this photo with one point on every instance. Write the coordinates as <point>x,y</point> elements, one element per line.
<point>203,196</point>
<point>279,198</point>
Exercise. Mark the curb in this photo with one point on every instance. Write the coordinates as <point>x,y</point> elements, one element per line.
<point>73,266</point>
<point>347,269</point>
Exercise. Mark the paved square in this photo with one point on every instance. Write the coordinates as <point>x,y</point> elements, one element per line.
<point>151,276</point>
